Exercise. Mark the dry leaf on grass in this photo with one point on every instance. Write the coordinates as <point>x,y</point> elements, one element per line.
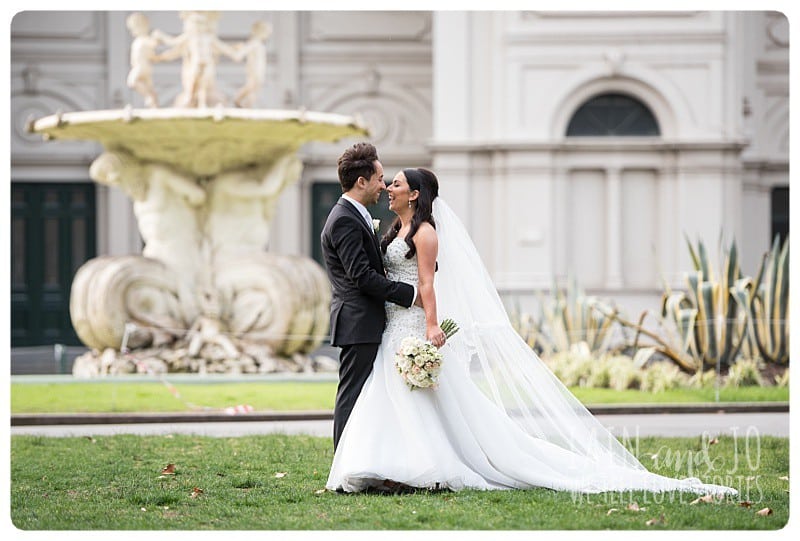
<point>612,510</point>
<point>746,503</point>
<point>320,491</point>
<point>169,469</point>
<point>196,492</point>
<point>713,441</point>
<point>659,520</point>
<point>708,498</point>
<point>280,474</point>
<point>764,512</point>
<point>635,507</point>
<point>784,477</point>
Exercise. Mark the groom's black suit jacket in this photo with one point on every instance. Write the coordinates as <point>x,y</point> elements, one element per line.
<point>360,287</point>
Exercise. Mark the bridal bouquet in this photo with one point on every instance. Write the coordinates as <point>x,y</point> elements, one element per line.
<point>419,362</point>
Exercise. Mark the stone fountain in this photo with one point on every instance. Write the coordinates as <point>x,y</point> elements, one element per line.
<point>205,295</point>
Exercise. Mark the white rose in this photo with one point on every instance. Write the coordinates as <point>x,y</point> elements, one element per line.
<point>409,346</point>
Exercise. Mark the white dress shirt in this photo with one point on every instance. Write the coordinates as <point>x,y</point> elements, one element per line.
<point>362,209</point>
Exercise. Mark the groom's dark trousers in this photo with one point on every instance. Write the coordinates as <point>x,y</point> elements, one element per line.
<point>360,289</point>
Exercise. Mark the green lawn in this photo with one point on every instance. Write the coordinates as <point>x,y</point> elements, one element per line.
<point>682,396</point>
<point>275,482</point>
<point>118,396</point>
<point>157,397</point>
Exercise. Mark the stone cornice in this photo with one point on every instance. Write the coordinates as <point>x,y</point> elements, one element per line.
<point>588,144</point>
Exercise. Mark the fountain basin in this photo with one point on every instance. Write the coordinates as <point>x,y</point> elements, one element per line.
<point>201,142</point>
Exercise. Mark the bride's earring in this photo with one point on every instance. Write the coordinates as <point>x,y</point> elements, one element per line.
<point>409,203</point>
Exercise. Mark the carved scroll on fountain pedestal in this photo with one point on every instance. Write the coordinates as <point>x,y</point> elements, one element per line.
<point>204,295</point>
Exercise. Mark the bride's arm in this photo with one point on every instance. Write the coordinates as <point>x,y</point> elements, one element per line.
<point>427,244</point>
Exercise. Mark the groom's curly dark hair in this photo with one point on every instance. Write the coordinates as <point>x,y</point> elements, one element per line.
<point>357,161</point>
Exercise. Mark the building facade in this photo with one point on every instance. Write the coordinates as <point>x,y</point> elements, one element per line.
<point>582,144</point>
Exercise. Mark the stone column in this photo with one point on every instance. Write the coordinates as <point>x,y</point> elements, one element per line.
<point>614,225</point>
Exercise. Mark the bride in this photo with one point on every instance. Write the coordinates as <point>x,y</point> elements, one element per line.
<point>499,418</point>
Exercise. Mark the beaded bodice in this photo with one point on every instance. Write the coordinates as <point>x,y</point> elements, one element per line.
<point>404,321</point>
<point>398,267</point>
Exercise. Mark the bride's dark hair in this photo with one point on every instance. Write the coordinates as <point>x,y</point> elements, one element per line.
<point>426,183</point>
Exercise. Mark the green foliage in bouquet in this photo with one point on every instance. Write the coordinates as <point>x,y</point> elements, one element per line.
<point>449,327</point>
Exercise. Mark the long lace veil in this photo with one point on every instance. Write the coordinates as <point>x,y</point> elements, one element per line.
<point>500,363</point>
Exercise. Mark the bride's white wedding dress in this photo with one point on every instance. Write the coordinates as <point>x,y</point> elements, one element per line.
<point>499,418</point>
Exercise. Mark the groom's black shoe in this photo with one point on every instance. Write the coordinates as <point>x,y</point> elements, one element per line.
<point>393,487</point>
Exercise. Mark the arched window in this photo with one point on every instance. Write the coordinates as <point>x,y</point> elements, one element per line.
<point>613,115</point>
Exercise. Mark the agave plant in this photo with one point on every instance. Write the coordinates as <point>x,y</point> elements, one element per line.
<point>574,317</point>
<point>566,319</point>
<point>708,318</point>
<point>708,326</point>
<point>531,329</point>
<point>766,300</point>
<point>658,344</point>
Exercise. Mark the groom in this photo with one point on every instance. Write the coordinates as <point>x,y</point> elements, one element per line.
<point>355,268</point>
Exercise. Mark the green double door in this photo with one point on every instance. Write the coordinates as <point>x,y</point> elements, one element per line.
<point>52,235</point>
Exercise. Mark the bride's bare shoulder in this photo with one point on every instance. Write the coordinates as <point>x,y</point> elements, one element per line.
<point>425,237</point>
<point>425,231</point>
